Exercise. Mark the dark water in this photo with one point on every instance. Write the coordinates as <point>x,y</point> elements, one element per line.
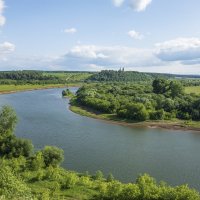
<point>90,145</point>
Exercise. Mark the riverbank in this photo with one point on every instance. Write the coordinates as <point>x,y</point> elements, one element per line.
<point>110,118</point>
<point>8,89</point>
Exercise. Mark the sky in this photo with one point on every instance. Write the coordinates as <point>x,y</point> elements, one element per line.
<point>92,35</point>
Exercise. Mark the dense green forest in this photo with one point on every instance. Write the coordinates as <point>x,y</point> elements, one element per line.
<point>125,76</point>
<point>140,77</point>
<point>29,174</point>
<point>164,99</point>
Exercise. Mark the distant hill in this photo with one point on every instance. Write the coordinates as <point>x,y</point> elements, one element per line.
<point>126,76</point>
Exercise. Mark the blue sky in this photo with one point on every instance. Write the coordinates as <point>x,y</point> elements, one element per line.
<point>141,35</point>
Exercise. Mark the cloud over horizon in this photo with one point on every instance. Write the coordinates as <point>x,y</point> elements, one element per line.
<point>185,50</point>
<point>6,48</point>
<point>175,56</point>
<point>112,57</point>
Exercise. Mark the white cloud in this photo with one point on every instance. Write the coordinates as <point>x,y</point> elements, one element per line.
<point>180,55</point>
<point>139,5</point>
<point>6,48</point>
<point>107,57</point>
<point>2,18</point>
<point>186,50</point>
<point>70,30</point>
<point>118,3</point>
<point>135,35</point>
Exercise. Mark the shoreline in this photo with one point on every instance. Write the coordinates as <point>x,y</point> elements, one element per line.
<point>39,88</point>
<point>169,125</point>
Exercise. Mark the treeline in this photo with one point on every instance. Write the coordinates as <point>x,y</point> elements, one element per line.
<point>64,77</point>
<point>125,76</point>
<point>29,174</point>
<point>24,75</point>
<point>164,99</point>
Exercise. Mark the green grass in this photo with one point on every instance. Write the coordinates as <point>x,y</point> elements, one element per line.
<point>70,77</point>
<point>17,88</point>
<point>192,89</point>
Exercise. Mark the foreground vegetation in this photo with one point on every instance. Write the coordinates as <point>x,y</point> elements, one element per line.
<point>29,174</point>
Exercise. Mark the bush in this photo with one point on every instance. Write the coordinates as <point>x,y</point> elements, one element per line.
<point>12,187</point>
<point>69,181</point>
<point>98,175</point>
<point>157,115</point>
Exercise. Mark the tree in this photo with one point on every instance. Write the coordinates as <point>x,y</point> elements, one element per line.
<point>37,161</point>
<point>8,120</point>
<point>136,111</point>
<point>175,89</point>
<point>15,147</point>
<point>157,115</point>
<point>10,145</point>
<point>160,86</point>
<point>53,156</point>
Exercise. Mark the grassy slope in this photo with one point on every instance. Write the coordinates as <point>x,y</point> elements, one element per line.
<point>71,77</point>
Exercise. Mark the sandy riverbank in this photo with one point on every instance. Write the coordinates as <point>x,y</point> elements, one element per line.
<point>172,125</point>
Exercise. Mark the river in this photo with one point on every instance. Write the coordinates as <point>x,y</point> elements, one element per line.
<point>91,145</point>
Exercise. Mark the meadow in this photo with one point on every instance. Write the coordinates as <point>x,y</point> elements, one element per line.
<point>192,89</point>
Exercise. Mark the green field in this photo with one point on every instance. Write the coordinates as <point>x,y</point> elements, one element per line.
<point>69,77</point>
<point>192,89</point>
<point>16,88</point>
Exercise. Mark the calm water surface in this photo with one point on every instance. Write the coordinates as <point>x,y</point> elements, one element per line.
<point>91,145</point>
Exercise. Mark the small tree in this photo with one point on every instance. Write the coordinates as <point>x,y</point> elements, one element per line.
<point>52,156</point>
<point>160,86</point>
<point>99,175</point>
<point>110,178</point>
<point>8,121</point>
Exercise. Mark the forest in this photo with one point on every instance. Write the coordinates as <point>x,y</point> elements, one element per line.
<point>125,76</point>
<point>27,173</point>
<point>162,99</point>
